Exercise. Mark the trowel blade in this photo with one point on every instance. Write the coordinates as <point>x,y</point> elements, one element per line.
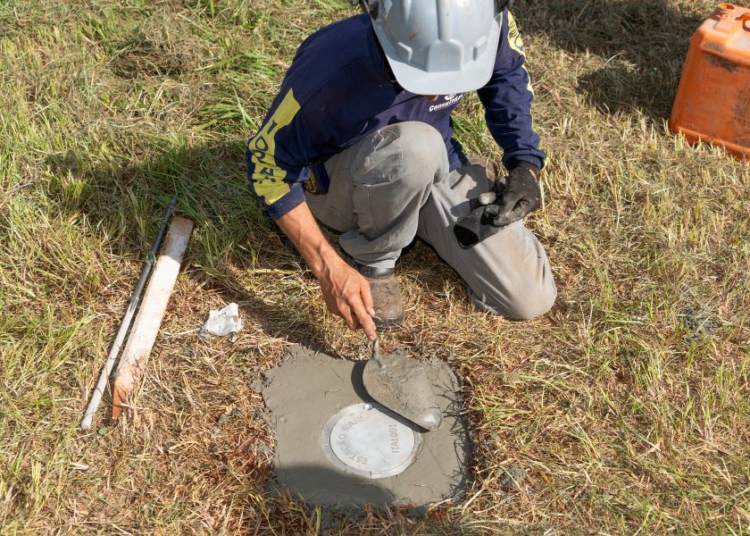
<point>402,385</point>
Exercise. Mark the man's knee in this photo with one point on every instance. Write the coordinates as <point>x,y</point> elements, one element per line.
<point>519,302</point>
<point>530,306</point>
<point>424,157</point>
<point>419,140</point>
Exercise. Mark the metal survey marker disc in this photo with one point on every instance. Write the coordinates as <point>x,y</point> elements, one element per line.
<point>364,441</point>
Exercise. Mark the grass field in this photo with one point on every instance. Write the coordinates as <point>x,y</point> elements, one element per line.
<point>627,407</point>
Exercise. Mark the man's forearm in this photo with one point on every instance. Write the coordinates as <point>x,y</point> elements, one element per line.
<point>300,226</point>
<point>346,291</point>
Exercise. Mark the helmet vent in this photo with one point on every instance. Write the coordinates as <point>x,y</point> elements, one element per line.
<point>480,47</point>
<point>405,52</point>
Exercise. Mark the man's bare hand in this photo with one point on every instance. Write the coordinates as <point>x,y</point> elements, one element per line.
<point>346,291</point>
<point>347,294</point>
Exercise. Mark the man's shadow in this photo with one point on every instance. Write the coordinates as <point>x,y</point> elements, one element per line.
<point>232,239</point>
<point>643,43</point>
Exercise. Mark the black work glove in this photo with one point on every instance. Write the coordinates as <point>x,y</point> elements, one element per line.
<point>510,200</point>
<point>518,197</point>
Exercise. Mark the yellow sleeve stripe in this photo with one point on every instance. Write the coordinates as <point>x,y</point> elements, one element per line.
<point>514,36</point>
<point>516,43</point>
<point>268,177</point>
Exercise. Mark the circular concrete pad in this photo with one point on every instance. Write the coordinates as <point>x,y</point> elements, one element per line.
<point>362,440</point>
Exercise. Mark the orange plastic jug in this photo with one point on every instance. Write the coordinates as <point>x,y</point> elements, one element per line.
<point>713,98</point>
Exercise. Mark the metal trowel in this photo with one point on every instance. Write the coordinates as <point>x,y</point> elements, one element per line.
<point>403,386</point>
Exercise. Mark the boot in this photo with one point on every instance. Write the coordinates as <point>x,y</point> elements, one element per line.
<point>388,305</point>
<point>386,295</point>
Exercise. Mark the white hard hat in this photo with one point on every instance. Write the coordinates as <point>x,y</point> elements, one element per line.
<point>439,47</point>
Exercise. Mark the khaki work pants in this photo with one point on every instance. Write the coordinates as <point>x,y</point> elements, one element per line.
<point>395,185</point>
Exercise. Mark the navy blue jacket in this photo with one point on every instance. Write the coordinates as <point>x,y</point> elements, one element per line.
<point>337,91</point>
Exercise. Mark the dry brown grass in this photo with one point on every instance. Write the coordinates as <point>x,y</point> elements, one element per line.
<point>626,406</point>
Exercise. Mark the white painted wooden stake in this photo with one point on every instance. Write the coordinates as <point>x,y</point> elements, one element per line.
<point>147,322</point>
<point>135,299</point>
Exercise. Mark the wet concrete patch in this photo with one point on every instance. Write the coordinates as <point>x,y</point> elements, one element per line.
<point>336,447</point>
<point>401,384</point>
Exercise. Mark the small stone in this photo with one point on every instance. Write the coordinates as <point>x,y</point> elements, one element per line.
<point>512,477</point>
<point>232,415</point>
<point>263,416</point>
<point>261,451</point>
